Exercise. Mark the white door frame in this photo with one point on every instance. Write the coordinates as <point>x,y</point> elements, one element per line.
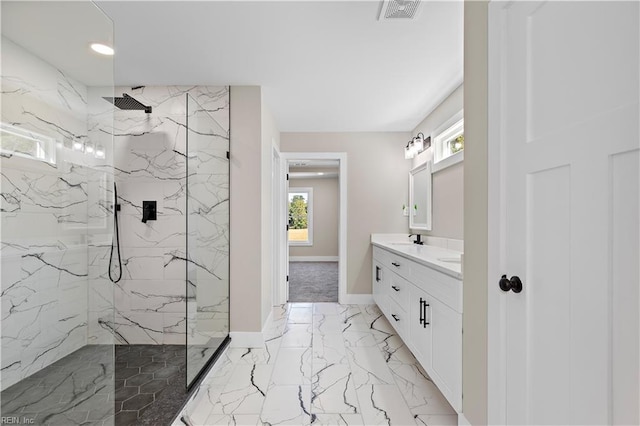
<point>278,224</point>
<point>341,157</point>
<point>496,306</point>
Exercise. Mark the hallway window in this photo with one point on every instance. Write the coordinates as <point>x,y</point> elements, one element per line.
<point>300,216</point>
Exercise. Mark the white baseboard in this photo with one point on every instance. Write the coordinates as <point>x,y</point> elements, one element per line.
<point>357,299</point>
<point>314,258</point>
<point>462,420</point>
<point>250,339</point>
<point>246,339</point>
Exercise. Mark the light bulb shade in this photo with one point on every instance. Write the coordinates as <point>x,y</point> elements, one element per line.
<point>407,153</point>
<point>418,142</point>
<point>78,146</point>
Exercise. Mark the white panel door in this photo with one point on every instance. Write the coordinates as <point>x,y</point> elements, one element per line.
<point>566,80</point>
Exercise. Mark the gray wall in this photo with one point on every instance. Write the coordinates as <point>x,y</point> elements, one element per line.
<point>448,206</point>
<point>377,187</point>
<point>270,136</point>
<point>474,322</point>
<point>246,197</point>
<point>253,133</point>
<point>325,217</point>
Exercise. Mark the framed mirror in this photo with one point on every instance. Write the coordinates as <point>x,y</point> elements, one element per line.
<point>420,197</point>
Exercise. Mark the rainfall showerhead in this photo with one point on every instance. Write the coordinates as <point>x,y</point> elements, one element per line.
<point>127,102</point>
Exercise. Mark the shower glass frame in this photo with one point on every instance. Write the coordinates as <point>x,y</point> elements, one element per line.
<point>207,245</point>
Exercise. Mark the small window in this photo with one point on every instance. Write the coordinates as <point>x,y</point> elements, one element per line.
<point>449,146</point>
<point>301,216</point>
<point>28,144</point>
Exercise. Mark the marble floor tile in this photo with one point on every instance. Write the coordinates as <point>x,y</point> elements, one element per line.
<point>326,308</point>
<point>300,305</point>
<point>349,311</point>
<point>384,405</point>
<point>318,373</point>
<point>332,390</point>
<point>421,395</point>
<point>436,420</point>
<point>264,355</point>
<point>338,420</point>
<point>357,322</point>
<point>293,367</point>
<point>358,339</point>
<point>245,391</point>
<point>300,316</point>
<point>287,405</point>
<point>370,310</point>
<point>368,367</point>
<point>395,351</point>
<point>328,349</point>
<point>324,323</point>
<point>297,336</point>
<point>232,420</point>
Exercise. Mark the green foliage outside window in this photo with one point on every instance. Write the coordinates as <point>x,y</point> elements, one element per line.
<point>298,213</point>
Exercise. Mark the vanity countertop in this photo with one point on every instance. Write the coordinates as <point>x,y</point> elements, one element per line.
<point>443,260</point>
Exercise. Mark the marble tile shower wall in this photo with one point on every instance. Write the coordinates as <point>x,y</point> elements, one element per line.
<point>52,210</point>
<point>150,165</point>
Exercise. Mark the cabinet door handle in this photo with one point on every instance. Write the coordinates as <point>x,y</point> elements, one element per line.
<point>395,288</point>
<point>424,314</point>
<point>395,264</point>
<point>421,313</point>
<point>395,317</point>
<point>377,273</point>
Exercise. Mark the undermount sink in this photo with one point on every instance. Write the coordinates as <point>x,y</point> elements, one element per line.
<point>450,259</point>
<point>404,243</point>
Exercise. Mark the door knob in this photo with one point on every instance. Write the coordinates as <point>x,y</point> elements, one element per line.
<point>514,284</point>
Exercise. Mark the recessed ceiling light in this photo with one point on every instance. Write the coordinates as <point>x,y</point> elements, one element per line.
<point>102,49</point>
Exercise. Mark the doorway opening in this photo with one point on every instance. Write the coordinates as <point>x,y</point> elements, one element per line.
<point>313,209</point>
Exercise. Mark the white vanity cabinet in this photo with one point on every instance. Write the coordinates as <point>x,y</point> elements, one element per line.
<point>425,307</point>
<point>380,285</point>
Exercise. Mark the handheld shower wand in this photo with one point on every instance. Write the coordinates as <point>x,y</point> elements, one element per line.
<point>115,277</point>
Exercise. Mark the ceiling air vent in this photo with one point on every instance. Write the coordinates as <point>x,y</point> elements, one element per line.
<point>397,10</point>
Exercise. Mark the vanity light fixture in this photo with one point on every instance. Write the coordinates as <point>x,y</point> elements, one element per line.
<point>78,146</point>
<point>416,145</point>
<point>102,49</point>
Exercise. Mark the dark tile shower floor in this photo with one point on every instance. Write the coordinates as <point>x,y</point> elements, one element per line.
<point>149,376</point>
<point>79,388</point>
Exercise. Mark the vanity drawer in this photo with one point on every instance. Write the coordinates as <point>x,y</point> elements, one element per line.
<point>399,289</point>
<point>399,319</point>
<point>399,265</point>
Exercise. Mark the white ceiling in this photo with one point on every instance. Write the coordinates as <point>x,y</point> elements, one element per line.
<point>323,66</point>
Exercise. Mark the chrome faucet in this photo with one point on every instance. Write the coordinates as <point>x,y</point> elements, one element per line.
<point>417,240</point>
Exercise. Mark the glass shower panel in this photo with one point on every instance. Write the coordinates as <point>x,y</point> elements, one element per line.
<point>57,359</point>
<point>207,278</point>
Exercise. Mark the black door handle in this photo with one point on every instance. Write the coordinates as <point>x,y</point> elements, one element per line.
<point>377,274</point>
<point>395,264</point>
<point>395,288</point>
<point>395,317</point>
<point>514,284</point>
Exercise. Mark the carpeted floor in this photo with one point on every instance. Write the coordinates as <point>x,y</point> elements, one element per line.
<point>313,281</point>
